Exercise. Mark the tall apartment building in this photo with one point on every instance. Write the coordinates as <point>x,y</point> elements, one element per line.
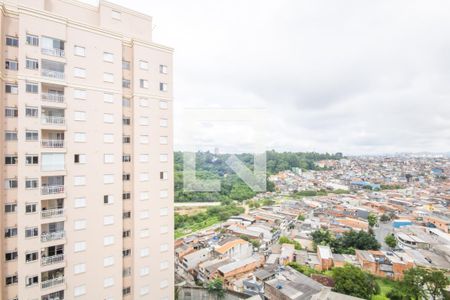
<point>86,149</point>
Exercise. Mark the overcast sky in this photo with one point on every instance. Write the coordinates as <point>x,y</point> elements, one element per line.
<point>353,76</point>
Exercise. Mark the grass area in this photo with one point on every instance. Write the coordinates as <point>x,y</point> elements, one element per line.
<point>386,285</point>
<point>180,232</point>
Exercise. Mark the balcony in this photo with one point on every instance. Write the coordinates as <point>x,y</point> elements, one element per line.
<point>53,52</point>
<point>52,69</point>
<point>52,213</point>
<point>54,296</point>
<point>52,282</point>
<point>52,143</point>
<point>52,97</point>
<point>49,260</point>
<point>54,120</point>
<point>52,236</point>
<point>52,189</point>
<point>53,74</point>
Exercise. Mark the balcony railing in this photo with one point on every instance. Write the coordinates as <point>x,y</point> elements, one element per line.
<point>52,282</point>
<point>52,143</point>
<point>53,120</point>
<point>49,260</point>
<point>53,52</point>
<point>51,213</point>
<point>52,189</point>
<point>52,236</point>
<point>52,97</point>
<point>52,74</point>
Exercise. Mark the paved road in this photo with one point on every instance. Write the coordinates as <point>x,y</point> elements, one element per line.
<point>381,231</point>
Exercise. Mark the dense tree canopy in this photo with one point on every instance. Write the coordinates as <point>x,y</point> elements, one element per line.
<point>347,243</point>
<point>351,280</point>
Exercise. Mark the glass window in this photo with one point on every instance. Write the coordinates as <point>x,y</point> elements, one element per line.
<point>12,41</point>
<point>11,65</point>
<point>32,40</point>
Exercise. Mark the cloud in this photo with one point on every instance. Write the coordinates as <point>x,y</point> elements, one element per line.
<point>355,76</point>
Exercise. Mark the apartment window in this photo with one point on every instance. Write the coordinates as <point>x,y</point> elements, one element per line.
<point>108,98</point>
<point>11,65</point>
<point>144,271</point>
<point>108,240</point>
<point>29,281</point>
<point>31,183</point>
<point>163,229</point>
<point>108,178</point>
<point>126,83</point>
<point>143,158</point>
<point>10,232</point>
<point>80,137</point>
<point>108,261</point>
<point>126,158</point>
<point>163,69</point>
<point>12,41</point>
<point>80,51</point>
<point>143,102</point>
<point>108,220</point>
<point>11,112</point>
<point>126,196</point>
<point>126,272</point>
<point>163,248</point>
<point>32,159</point>
<point>143,177</point>
<point>116,15</point>
<point>80,116</point>
<point>108,158</point>
<point>31,135</point>
<point>144,233</point>
<point>126,214</point>
<point>143,139</point>
<point>79,158</point>
<point>163,265</point>
<point>163,140</point>
<point>108,57</point>
<point>32,40</point>
<point>108,138</point>
<point>79,246</point>
<point>144,290</point>
<point>126,121</point>
<point>80,202</point>
<point>79,224</point>
<point>79,268</point>
<point>32,64</point>
<point>79,290</point>
<point>126,252</point>
<point>144,214</point>
<point>126,233</point>
<point>30,208</point>
<point>143,196</point>
<point>108,199</point>
<point>163,104</point>
<point>79,72</point>
<point>126,139</point>
<point>10,159</point>
<point>11,88</point>
<point>163,87</point>
<point>143,65</point>
<point>10,183</point>
<point>126,291</point>
<point>144,252</point>
<point>79,180</point>
<point>143,83</point>
<point>163,284</point>
<point>126,177</point>
<point>10,135</point>
<point>10,207</point>
<point>32,87</point>
<point>125,64</point>
<point>164,175</point>
<point>31,111</point>
<point>80,94</point>
<point>163,157</point>
<point>143,121</point>
<point>163,194</point>
<point>163,122</point>
<point>11,255</point>
<point>10,280</point>
<point>163,211</point>
<point>108,77</point>
<point>108,118</point>
<point>31,232</point>
<point>31,256</point>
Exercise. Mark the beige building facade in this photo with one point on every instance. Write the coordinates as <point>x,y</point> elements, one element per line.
<point>86,147</point>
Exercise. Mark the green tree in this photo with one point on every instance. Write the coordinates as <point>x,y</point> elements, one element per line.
<point>215,287</point>
<point>396,294</point>
<point>420,283</point>
<point>390,240</point>
<point>372,219</point>
<point>385,218</point>
<point>308,271</point>
<point>301,218</point>
<point>322,237</point>
<point>286,240</point>
<point>351,280</point>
